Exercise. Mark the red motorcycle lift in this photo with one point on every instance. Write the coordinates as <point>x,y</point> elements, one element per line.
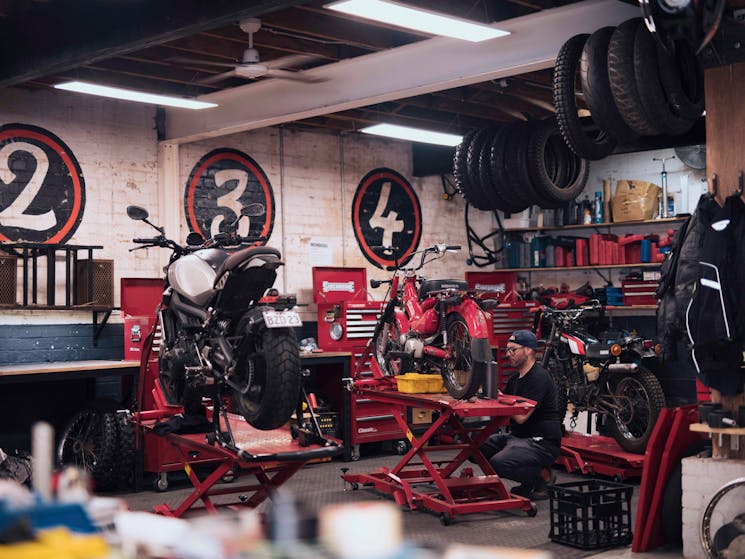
<point>231,449</point>
<point>595,454</point>
<point>452,496</point>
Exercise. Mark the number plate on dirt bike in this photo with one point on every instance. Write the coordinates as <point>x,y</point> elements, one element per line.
<point>281,319</point>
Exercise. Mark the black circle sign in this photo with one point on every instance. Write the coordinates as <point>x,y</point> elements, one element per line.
<point>42,191</point>
<point>386,212</point>
<point>220,184</point>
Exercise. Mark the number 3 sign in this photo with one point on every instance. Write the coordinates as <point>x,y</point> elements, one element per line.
<point>42,191</point>
<point>386,212</point>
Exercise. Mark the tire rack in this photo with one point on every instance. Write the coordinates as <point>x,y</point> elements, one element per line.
<point>407,481</point>
<point>272,457</point>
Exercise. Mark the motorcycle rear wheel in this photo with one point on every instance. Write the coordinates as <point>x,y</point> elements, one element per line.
<point>274,388</point>
<point>462,380</point>
<point>556,371</point>
<point>642,401</point>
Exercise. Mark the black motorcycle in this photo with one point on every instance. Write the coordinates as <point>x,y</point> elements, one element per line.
<point>603,377</point>
<point>216,333</point>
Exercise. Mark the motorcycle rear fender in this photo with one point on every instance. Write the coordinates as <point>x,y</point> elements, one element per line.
<point>252,320</point>
<point>477,320</point>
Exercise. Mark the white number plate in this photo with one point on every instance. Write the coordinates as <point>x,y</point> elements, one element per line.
<point>282,319</point>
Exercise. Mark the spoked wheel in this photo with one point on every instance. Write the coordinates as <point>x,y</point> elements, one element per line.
<point>556,371</point>
<point>90,442</point>
<point>640,400</point>
<point>461,379</point>
<point>270,373</point>
<point>386,339</point>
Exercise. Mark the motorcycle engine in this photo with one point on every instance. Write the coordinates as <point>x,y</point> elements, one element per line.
<point>415,347</point>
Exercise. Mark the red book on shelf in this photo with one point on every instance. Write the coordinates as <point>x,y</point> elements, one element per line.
<point>595,240</point>
<point>560,256</point>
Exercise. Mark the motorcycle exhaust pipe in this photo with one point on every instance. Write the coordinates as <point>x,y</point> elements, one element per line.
<point>623,368</point>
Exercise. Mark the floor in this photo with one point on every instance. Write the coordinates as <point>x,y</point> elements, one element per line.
<point>318,485</point>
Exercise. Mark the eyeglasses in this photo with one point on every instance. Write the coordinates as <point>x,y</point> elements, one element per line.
<point>511,350</point>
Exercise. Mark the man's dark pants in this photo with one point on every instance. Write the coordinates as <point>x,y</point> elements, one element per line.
<point>517,459</point>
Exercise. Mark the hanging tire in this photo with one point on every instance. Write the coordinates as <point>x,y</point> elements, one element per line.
<point>650,88</point>
<point>460,164</point>
<point>493,199</point>
<point>682,78</point>
<point>552,193</point>
<point>275,381</point>
<point>623,80</point>
<point>89,441</point>
<point>596,87</point>
<point>500,174</point>
<point>641,400</point>
<point>473,163</point>
<point>587,146</point>
<point>462,378</point>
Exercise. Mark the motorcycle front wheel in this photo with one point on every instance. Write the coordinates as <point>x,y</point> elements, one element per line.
<point>556,371</point>
<point>269,365</point>
<point>461,379</point>
<point>386,339</point>
<point>640,399</point>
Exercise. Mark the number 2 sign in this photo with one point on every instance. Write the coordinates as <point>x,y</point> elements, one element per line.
<point>42,191</point>
<point>386,212</point>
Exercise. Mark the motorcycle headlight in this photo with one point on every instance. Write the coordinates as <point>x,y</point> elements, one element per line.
<point>336,331</point>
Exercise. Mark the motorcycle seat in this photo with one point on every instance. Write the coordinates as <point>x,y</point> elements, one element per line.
<point>429,286</point>
<point>241,259</point>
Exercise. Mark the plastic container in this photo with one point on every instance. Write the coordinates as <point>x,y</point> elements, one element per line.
<point>591,514</point>
<point>419,383</point>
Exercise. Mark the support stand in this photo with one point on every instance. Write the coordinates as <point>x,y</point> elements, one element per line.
<point>410,483</point>
<point>594,454</point>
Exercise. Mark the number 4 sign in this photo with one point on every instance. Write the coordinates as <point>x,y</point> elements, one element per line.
<point>386,212</point>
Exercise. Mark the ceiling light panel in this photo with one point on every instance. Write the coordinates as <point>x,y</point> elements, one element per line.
<point>418,19</point>
<point>413,134</point>
<point>132,95</point>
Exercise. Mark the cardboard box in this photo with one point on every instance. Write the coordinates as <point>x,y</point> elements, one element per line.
<point>635,200</point>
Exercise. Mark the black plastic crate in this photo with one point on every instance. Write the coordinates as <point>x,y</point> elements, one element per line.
<point>591,514</point>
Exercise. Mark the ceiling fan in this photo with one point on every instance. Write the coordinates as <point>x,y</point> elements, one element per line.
<point>251,66</point>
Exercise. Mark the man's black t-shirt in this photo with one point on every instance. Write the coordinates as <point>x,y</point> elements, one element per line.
<point>545,421</point>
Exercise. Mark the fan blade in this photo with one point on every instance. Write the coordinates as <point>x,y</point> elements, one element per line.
<point>291,61</point>
<point>219,77</point>
<point>296,76</point>
<point>200,62</point>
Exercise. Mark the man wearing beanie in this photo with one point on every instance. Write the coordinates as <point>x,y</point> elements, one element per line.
<point>535,439</point>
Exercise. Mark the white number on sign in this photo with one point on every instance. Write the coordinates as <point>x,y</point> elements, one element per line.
<point>13,215</point>
<point>390,224</point>
<point>231,200</point>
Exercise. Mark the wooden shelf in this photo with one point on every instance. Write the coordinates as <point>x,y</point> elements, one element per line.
<point>574,268</point>
<point>704,428</point>
<point>667,220</point>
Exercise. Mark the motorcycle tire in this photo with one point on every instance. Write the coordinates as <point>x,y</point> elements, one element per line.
<point>623,81</point>
<point>90,442</point>
<point>682,77</point>
<point>558,375</point>
<point>477,197</point>
<point>125,458</point>
<point>460,164</point>
<point>644,390</point>
<point>386,339</point>
<point>593,146</point>
<point>462,379</point>
<point>274,390</point>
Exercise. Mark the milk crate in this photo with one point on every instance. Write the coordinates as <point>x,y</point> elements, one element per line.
<point>591,514</point>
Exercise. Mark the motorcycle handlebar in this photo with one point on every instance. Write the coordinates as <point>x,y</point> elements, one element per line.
<point>151,241</point>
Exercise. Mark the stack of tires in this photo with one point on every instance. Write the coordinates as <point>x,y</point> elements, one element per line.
<point>632,85</point>
<point>517,166</point>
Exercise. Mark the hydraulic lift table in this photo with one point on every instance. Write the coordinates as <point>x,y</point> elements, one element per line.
<point>430,483</point>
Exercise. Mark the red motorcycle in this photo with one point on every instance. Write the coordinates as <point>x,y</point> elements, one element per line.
<point>433,326</point>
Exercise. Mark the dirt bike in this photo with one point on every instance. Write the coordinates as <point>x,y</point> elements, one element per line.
<point>432,326</point>
<point>606,378</point>
<point>216,334</point>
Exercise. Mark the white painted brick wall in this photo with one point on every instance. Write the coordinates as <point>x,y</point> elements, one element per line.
<point>702,477</point>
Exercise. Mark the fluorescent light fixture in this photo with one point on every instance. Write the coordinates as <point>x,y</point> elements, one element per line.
<point>131,95</point>
<point>413,134</point>
<point>418,19</point>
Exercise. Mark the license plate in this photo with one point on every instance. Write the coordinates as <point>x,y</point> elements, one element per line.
<point>282,319</point>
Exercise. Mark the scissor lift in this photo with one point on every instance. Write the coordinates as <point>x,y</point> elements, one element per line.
<point>231,448</point>
<point>456,491</point>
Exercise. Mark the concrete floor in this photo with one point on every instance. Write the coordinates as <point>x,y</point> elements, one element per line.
<point>318,485</point>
